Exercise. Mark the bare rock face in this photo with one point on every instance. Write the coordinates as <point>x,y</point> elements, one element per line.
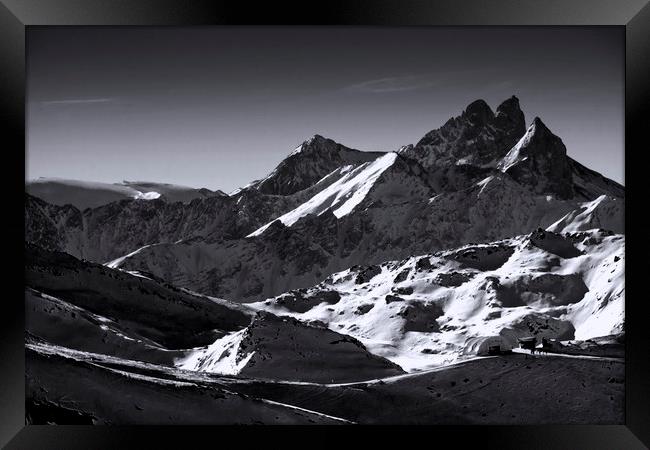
<point>49,225</point>
<point>423,264</point>
<point>302,300</point>
<point>483,257</point>
<point>403,290</point>
<point>402,276</point>
<point>392,299</point>
<point>363,309</point>
<point>421,317</point>
<point>545,290</point>
<point>452,279</point>
<point>367,274</point>
<point>554,243</point>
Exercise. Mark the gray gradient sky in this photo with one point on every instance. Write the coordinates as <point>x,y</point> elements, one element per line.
<point>217,107</point>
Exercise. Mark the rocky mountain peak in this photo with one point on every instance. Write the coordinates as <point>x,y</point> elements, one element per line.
<point>539,139</point>
<point>478,112</point>
<point>539,127</point>
<point>539,160</point>
<point>317,143</point>
<point>478,136</point>
<point>509,107</point>
<point>510,117</point>
<point>310,162</point>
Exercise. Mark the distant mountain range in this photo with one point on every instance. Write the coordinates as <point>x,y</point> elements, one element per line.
<point>90,194</point>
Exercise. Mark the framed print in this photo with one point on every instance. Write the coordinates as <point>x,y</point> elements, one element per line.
<point>368,217</point>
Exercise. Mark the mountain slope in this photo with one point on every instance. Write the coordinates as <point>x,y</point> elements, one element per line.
<point>287,349</point>
<point>137,304</point>
<point>66,387</point>
<point>94,309</point>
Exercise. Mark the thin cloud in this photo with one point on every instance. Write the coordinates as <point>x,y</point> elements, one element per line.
<point>394,84</point>
<point>421,81</point>
<point>77,101</point>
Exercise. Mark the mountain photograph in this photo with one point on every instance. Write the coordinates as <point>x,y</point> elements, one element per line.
<point>357,226</point>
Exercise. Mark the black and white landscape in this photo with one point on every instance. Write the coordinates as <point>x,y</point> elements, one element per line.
<point>344,287</point>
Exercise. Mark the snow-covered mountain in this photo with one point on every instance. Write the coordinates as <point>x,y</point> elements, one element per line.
<point>433,309</point>
<point>307,164</point>
<point>388,180</point>
<point>89,194</point>
<point>604,212</point>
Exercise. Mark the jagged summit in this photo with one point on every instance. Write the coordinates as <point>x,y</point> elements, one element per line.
<point>318,138</point>
<point>509,106</point>
<point>478,136</point>
<point>510,117</point>
<point>479,112</point>
<point>309,163</point>
<point>316,142</point>
<point>539,125</point>
<point>538,138</point>
<point>539,160</point>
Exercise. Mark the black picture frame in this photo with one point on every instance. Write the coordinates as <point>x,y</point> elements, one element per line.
<point>17,15</point>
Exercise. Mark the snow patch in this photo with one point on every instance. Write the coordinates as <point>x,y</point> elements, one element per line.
<point>222,356</point>
<point>147,195</point>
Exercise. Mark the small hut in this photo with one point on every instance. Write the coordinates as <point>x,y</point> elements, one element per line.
<point>528,343</point>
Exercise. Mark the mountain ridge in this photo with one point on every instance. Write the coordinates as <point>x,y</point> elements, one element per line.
<point>320,218</point>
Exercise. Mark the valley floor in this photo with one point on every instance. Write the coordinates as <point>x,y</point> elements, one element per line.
<point>69,386</point>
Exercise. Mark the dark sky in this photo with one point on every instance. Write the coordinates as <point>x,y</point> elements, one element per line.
<point>217,107</point>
